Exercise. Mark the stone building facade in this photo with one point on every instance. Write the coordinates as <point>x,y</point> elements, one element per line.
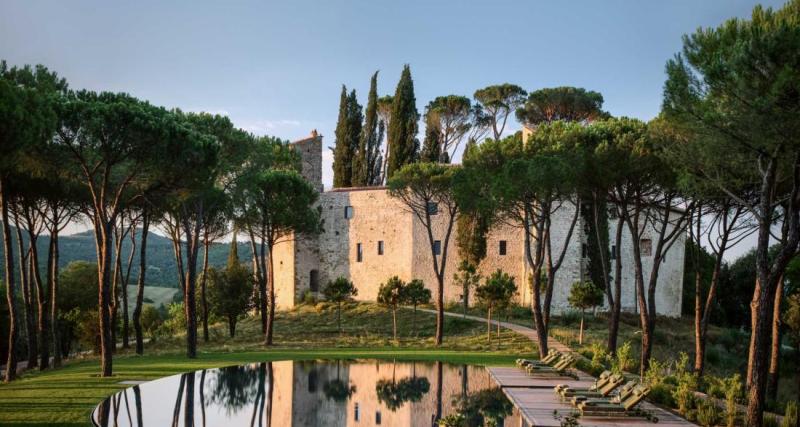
<point>369,236</point>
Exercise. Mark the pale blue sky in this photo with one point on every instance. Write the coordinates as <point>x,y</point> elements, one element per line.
<point>277,67</point>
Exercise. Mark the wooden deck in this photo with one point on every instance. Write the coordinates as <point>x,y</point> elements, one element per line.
<point>536,401</point>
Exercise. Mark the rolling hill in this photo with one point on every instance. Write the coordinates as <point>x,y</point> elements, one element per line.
<point>161,268</point>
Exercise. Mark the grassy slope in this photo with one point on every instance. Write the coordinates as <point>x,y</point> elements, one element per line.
<point>67,396</point>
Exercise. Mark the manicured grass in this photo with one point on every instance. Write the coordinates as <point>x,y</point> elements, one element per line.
<point>66,397</point>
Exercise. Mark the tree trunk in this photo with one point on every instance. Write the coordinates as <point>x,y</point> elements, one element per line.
<point>616,308</point>
<point>8,255</point>
<point>103,232</point>
<point>52,279</point>
<point>271,298</point>
<point>125,282</point>
<point>439,309</point>
<point>137,310</point>
<point>27,298</point>
<point>42,303</point>
<point>394,323</point>
<point>232,325</point>
<point>339,316</point>
<point>116,283</point>
<point>203,298</point>
<point>488,324</point>
<point>775,349</point>
<point>580,335</point>
<point>191,231</point>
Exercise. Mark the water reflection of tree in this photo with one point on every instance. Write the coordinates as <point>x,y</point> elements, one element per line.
<point>395,394</point>
<point>487,407</point>
<point>338,390</point>
<point>234,387</point>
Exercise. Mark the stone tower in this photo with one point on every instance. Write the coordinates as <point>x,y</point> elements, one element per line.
<point>310,150</point>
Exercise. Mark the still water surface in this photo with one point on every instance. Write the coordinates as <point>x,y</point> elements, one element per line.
<point>314,393</point>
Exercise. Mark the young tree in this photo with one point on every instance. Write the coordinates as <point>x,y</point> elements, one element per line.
<point>495,293</point>
<point>734,88</point>
<point>275,205</point>
<point>339,291</point>
<point>468,277</point>
<point>582,296</point>
<point>367,162</point>
<point>402,133</point>
<point>415,293</point>
<point>229,292</point>
<point>390,294</point>
<point>499,102</point>
<point>426,189</point>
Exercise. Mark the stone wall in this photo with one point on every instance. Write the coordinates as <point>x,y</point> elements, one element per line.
<point>377,217</point>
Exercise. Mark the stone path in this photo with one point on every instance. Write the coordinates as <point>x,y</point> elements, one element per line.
<point>536,401</point>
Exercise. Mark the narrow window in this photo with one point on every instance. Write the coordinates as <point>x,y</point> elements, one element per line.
<point>313,280</point>
<point>437,247</point>
<point>646,247</point>
<point>359,252</point>
<point>313,380</point>
<point>613,251</point>
<point>433,208</point>
<point>377,418</point>
<point>380,247</point>
<point>356,413</point>
<point>348,212</point>
<point>502,247</point>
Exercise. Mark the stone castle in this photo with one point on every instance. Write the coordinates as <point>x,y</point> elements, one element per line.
<point>369,236</point>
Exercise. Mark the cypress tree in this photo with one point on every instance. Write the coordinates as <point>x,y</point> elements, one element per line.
<point>354,119</point>
<point>432,144</point>
<point>233,254</point>
<point>367,165</point>
<point>342,155</point>
<point>402,136</point>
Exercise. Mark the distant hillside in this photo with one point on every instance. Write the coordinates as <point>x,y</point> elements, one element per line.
<point>161,269</point>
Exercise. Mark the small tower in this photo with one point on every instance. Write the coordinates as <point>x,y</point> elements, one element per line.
<point>310,150</point>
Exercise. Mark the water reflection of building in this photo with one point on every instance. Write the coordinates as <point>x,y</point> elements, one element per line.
<point>363,393</point>
<point>309,405</point>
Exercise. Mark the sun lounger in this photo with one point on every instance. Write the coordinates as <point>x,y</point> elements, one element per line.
<point>603,390</point>
<point>626,408</point>
<point>622,393</point>
<point>552,357</point>
<point>559,369</point>
<point>601,381</point>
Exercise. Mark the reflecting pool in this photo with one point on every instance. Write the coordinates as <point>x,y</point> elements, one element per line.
<point>315,393</point>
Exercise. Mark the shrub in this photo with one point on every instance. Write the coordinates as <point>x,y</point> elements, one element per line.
<point>708,414</point>
<point>656,373</point>
<point>687,384</point>
<point>624,360</point>
<point>599,356</point>
<point>732,390</point>
<point>309,298</point>
<point>662,395</point>
<point>175,321</point>
<point>790,416</point>
<point>769,421</point>
<point>151,320</point>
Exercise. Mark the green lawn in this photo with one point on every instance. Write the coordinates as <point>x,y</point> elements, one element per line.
<point>65,397</point>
